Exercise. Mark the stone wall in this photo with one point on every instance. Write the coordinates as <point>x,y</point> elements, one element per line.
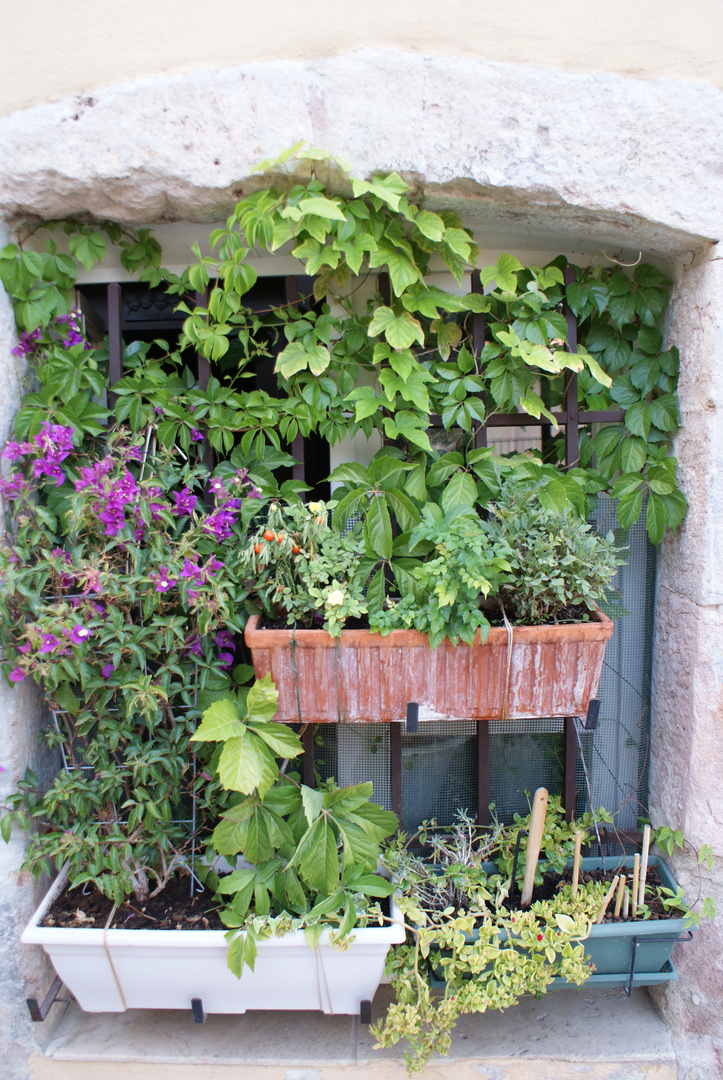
<point>530,158</point>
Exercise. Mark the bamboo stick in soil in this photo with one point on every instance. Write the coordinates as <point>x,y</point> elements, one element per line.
<point>534,841</point>
<point>608,898</point>
<point>636,881</point>
<point>576,864</point>
<point>619,897</point>
<point>644,864</point>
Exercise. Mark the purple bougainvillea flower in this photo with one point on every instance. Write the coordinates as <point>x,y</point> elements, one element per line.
<point>97,608</point>
<point>13,487</point>
<point>225,659</point>
<point>80,634</point>
<point>107,670</point>
<point>225,640</point>
<point>254,492</point>
<point>162,580</point>
<point>27,342</point>
<point>212,566</point>
<point>196,435</point>
<point>50,642</point>
<point>158,410</point>
<point>25,649</point>
<point>217,486</point>
<point>15,450</point>
<point>185,501</point>
<point>17,675</point>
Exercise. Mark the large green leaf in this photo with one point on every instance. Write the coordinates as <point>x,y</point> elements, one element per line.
<point>460,491</point>
<point>312,801</point>
<point>319,858</point>
<point>378,529</point>
<point>262,700</point>
<point>247,764</point>
<point>279,738</point>
<point>401,331</point>
<point>220,722</point>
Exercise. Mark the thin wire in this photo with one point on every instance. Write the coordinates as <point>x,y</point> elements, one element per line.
<point>589,792</point>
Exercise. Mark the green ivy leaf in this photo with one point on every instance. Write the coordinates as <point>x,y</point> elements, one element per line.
<point>263,699</point>
<point>401,331</point>
<point>220,722</point>
<point>378,529</point>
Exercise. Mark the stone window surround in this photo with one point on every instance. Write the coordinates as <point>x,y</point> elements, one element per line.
<point>530,158</point>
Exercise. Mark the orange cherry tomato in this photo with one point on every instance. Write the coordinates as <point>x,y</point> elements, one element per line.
<point>258,549</point>
<point>269,535</point>
<point>280,538</point>
<point>296,549</point>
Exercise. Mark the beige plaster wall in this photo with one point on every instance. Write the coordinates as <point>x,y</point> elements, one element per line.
<point>63,50</point>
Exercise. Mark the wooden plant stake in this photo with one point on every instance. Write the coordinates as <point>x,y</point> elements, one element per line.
<point>619,897</point>
<point>626,904</point>
<point>608,898</point>
<point>644,864</point>
<point>534,841</point>
<point>636,879</point>
<point>576,864</point>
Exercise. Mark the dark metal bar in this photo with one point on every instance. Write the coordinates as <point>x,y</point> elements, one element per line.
<point>572,433</point>
<point>593,711</point>
<point>308,763</point>
<point>385,287</point>
<point>115,337</point>
<point>39,1012</point>
<point>412,718</point>
<point>595,416</point>
<point>365,1011</point>
<point>199,1016</point>
<point>298,471</point>
<point>570,768</point>
<point>478,343</point>
<point>483,773</point>
<point>204,364</point>
<point>395,768</point>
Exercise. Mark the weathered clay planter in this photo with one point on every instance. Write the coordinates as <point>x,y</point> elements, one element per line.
<point>554,671</point>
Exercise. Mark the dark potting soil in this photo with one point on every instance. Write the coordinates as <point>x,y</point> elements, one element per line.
<point>492,610</point>
<point>173,909</point>
<point>552,883</point>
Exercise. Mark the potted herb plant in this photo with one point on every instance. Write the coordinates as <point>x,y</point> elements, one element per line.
<point>476,943</point>
<point>536,571</point>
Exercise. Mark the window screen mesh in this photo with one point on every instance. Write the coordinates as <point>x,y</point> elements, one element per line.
<point>439,765</point>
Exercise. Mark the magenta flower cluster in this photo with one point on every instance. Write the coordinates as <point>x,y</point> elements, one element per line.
<point>47,449</point>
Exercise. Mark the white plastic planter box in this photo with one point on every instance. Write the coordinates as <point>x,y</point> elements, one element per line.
<point>114,970</point>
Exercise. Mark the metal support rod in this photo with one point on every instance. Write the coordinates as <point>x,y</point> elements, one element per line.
<point>483,773</point>
<point>570,768</point>
<point>115,337</point>
<point>308,770</point>
<point>39,1012</point>
<point>395,768</point>
<point>412,724</point>
<point>199,1016</point>
<point>572,433</point>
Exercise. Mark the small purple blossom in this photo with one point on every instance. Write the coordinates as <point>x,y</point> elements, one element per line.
<point>107,670</point>
<point>14,486</point>
<point>80,634</point>
<point>225,640</point>
<point>254,492</point>
<point>196,435</point>
<point>50,642</point>
<point>25,649</point>
<point>17,675</point>
<point>15,450</point>
<point>218,487</point>
<point>162,580</point>
<point>158,410</point>
<point>185,501</point>
<point>28,342</point>
<point>225,659</point>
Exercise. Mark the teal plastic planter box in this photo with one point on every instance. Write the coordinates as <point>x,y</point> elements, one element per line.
<point>610,947</point>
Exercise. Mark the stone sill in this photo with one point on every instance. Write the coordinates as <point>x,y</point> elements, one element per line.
<point>597,1033</point>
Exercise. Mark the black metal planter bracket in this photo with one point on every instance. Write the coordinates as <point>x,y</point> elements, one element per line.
<point>199,1016</point>
<point>593,711</point>
<point>39,1012</point>
<point>412,718</point>
<point>643,939</point>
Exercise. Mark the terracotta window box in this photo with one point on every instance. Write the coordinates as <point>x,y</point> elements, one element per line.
<point>554,671</point>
